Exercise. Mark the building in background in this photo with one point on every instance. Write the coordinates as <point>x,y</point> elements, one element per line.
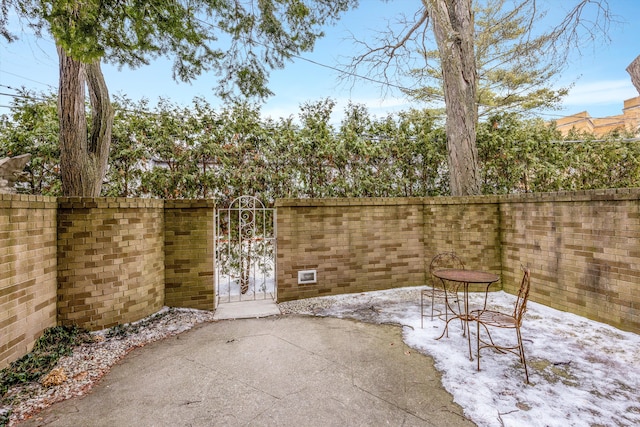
<point>629,121</point>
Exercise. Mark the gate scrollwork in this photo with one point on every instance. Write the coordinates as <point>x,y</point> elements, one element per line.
<point>245,251</point>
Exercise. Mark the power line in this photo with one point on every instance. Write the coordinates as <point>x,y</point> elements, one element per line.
<point>14,95</point>
<point>489,108</point>
<point>311,61</point>
<point>26,78</point>
<point>21,96</point>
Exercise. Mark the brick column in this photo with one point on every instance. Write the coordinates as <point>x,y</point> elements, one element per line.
<point>110,260</point>
<point>189,256</point>
<point>27,272</point>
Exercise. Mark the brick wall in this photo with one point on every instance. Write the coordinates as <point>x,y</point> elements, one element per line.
<point>119,260</point>
<point>110,260</point>
<point>27,272</point>
<point>356,245</point>
<point>468,226</point>
<point>189,254</point>
<point>582,247</point>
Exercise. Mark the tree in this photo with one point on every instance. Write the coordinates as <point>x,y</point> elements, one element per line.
<point>463,51</point>
<point>453,30</point>
<point>520,155</point>
<point>516,70</point>
<point>170,148</point>
<point>242,136</point>
<point>33,128</point>
<point>420,154</point>
<point>128,155</point>
<point>169,151</point>
<point>258,35</point>
<point>315,147</point>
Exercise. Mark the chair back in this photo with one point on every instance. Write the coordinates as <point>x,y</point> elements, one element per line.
<point>445,260</point>
<point>523,296</point>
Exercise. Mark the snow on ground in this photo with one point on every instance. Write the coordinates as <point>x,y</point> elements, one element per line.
<point>260,285</point>
<point>582,372</point>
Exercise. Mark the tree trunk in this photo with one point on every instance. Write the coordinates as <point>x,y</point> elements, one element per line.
<point>83,158</point>
<point>452,22</point>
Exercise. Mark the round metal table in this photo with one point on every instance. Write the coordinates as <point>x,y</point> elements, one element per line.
<point>465,277</point>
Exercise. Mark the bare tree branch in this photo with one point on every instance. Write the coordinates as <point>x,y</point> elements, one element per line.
<point>576,30</point>
<point>392,51</point>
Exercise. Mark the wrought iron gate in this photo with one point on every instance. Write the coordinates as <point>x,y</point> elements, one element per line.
<point>245,249</point>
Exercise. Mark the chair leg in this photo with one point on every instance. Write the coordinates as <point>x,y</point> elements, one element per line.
<point>478,343</point>
<point>486,343</point>
<point>520,348</point>
<point>446,312</point>
<point>493,344</point>
<point>462,324</point>
<point>421,309</point>
<point>433,301</point>
<point>522,358</point>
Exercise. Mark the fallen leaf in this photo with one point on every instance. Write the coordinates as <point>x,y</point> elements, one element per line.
<point>56,377</point>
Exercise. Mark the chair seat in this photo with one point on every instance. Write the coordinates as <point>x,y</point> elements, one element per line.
<point>494,318</point>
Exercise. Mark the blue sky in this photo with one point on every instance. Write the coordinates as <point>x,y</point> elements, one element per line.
<point>601,81</point>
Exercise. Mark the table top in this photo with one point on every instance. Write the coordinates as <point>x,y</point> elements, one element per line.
<point>466,276</point>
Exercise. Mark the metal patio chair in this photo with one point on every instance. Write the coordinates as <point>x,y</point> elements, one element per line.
<point>497,319</point>
<point>437,289</point>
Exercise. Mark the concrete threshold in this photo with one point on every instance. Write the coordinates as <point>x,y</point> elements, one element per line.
<point>246,309</point>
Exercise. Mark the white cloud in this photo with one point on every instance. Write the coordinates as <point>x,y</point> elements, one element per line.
<point>600,92</point>
<point>379,107</point>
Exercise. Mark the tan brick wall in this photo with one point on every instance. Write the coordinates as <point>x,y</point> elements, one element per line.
<point>189,256</point>
<point>583,249</point>
<point>110,260</point>
<point>27,272</point>
<point>468,226</point>
<point>356,245</point>
<point>114,258</point>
